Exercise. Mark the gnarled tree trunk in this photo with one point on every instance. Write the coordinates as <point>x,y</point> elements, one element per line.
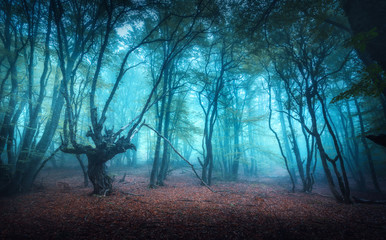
<point>97,174</point>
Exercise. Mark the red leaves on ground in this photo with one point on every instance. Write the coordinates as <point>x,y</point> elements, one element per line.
<point>182,209</point>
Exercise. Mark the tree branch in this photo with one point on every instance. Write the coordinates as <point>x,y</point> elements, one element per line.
<point>191,165</point>
<point>45,161</point>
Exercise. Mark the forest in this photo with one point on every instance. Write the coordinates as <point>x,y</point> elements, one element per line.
<point>195,119</point>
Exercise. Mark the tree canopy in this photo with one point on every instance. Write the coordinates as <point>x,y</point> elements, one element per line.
<point>296,83</point>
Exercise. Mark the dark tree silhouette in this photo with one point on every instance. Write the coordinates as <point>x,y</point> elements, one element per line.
<point>379,139</point>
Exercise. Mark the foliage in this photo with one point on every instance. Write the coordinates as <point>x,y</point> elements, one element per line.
<point>371,83</point>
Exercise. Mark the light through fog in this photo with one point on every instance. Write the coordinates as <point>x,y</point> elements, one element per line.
<point>233,95</point>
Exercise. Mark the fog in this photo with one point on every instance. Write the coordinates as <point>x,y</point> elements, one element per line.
<point>261,90</point>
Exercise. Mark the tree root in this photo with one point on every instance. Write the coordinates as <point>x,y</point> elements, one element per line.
<point>367,201</point>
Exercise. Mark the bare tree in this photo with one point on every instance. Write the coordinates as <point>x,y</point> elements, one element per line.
<point>108,143</point>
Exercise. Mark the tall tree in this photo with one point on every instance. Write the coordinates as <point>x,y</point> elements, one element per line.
<point>26,158</point>
<point>107,143</point>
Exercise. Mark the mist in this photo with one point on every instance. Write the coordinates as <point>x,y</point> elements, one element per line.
<point>137,98</point>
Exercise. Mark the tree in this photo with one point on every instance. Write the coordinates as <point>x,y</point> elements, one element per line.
<point>218,60</point>
<point>363,18</point>
<point>100,19</point>
<point>180,31</point>
<point>108,143</point>
<point>363,26</point>
<point>276,135</point>
<point>295,109</point>
<point>311,51</point>
<point>26,159</point>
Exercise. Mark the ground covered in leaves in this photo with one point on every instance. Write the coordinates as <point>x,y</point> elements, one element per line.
<point>60,208</point>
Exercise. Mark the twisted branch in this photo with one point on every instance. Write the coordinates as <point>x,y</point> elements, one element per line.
<point>171,145</point>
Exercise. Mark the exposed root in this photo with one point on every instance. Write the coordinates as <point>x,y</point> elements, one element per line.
<point>367,201</point>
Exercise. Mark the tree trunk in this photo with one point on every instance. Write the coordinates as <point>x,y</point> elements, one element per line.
<point>354,150</point>
<point>154,169</point>
<point>251,143</point>
<point>295,147</point>
<point>286,139</point>
<point>221,154</point>
<point>363,17</point>
<point>322,153</point>
<point>367,149</point>
<point>28,164</point>
<point>236,160</point>
<point>165,155</point>
<point>227,148</point>
<point>85,177</point>
<point>342,179</point>
<point>161,113</point>
<point>11,108</point>
<point>97,174</point>
<point>277,138</point>
<point>206,168</point>
<point>134,157</point>
<point>210,170</point>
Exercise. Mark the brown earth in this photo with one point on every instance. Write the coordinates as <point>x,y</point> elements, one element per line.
<point>60,208</point>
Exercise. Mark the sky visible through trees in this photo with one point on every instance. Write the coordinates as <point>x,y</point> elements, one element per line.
<point>211,97</point>
<point>237,89</point>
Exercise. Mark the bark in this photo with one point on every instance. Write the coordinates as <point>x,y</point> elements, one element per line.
<point>277,138</point>
<point>221,153</point>
<point>96,171</point>
<point>210,169</point>
<point>179,154</point>
<point>286,141</point>
<point>161,114</point>
<point>306,175</point>
<point>364,16</point>
<point>295,147</point>
<point>237,151</point>
<point>227,148</point>
<point>154,169</point>
<point>354,152</point>
<point>25,170</point>
<point>367,149</point>
<point>30,156</point>
<point>251,142</point>
<point>29,160</point>
<point>342,178</point>
<point>11,108</point>
<point>208,159</point>
<point>310,149</point>
<point>165,155</point>
<point>12,73</point>
<point>322,153</point>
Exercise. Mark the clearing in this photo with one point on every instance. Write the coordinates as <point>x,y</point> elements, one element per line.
<point>60,208</point>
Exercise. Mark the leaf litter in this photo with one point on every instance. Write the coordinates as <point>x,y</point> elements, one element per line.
<point>183,209</point>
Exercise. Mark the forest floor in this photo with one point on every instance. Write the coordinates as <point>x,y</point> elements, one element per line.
<point>60,208</point>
